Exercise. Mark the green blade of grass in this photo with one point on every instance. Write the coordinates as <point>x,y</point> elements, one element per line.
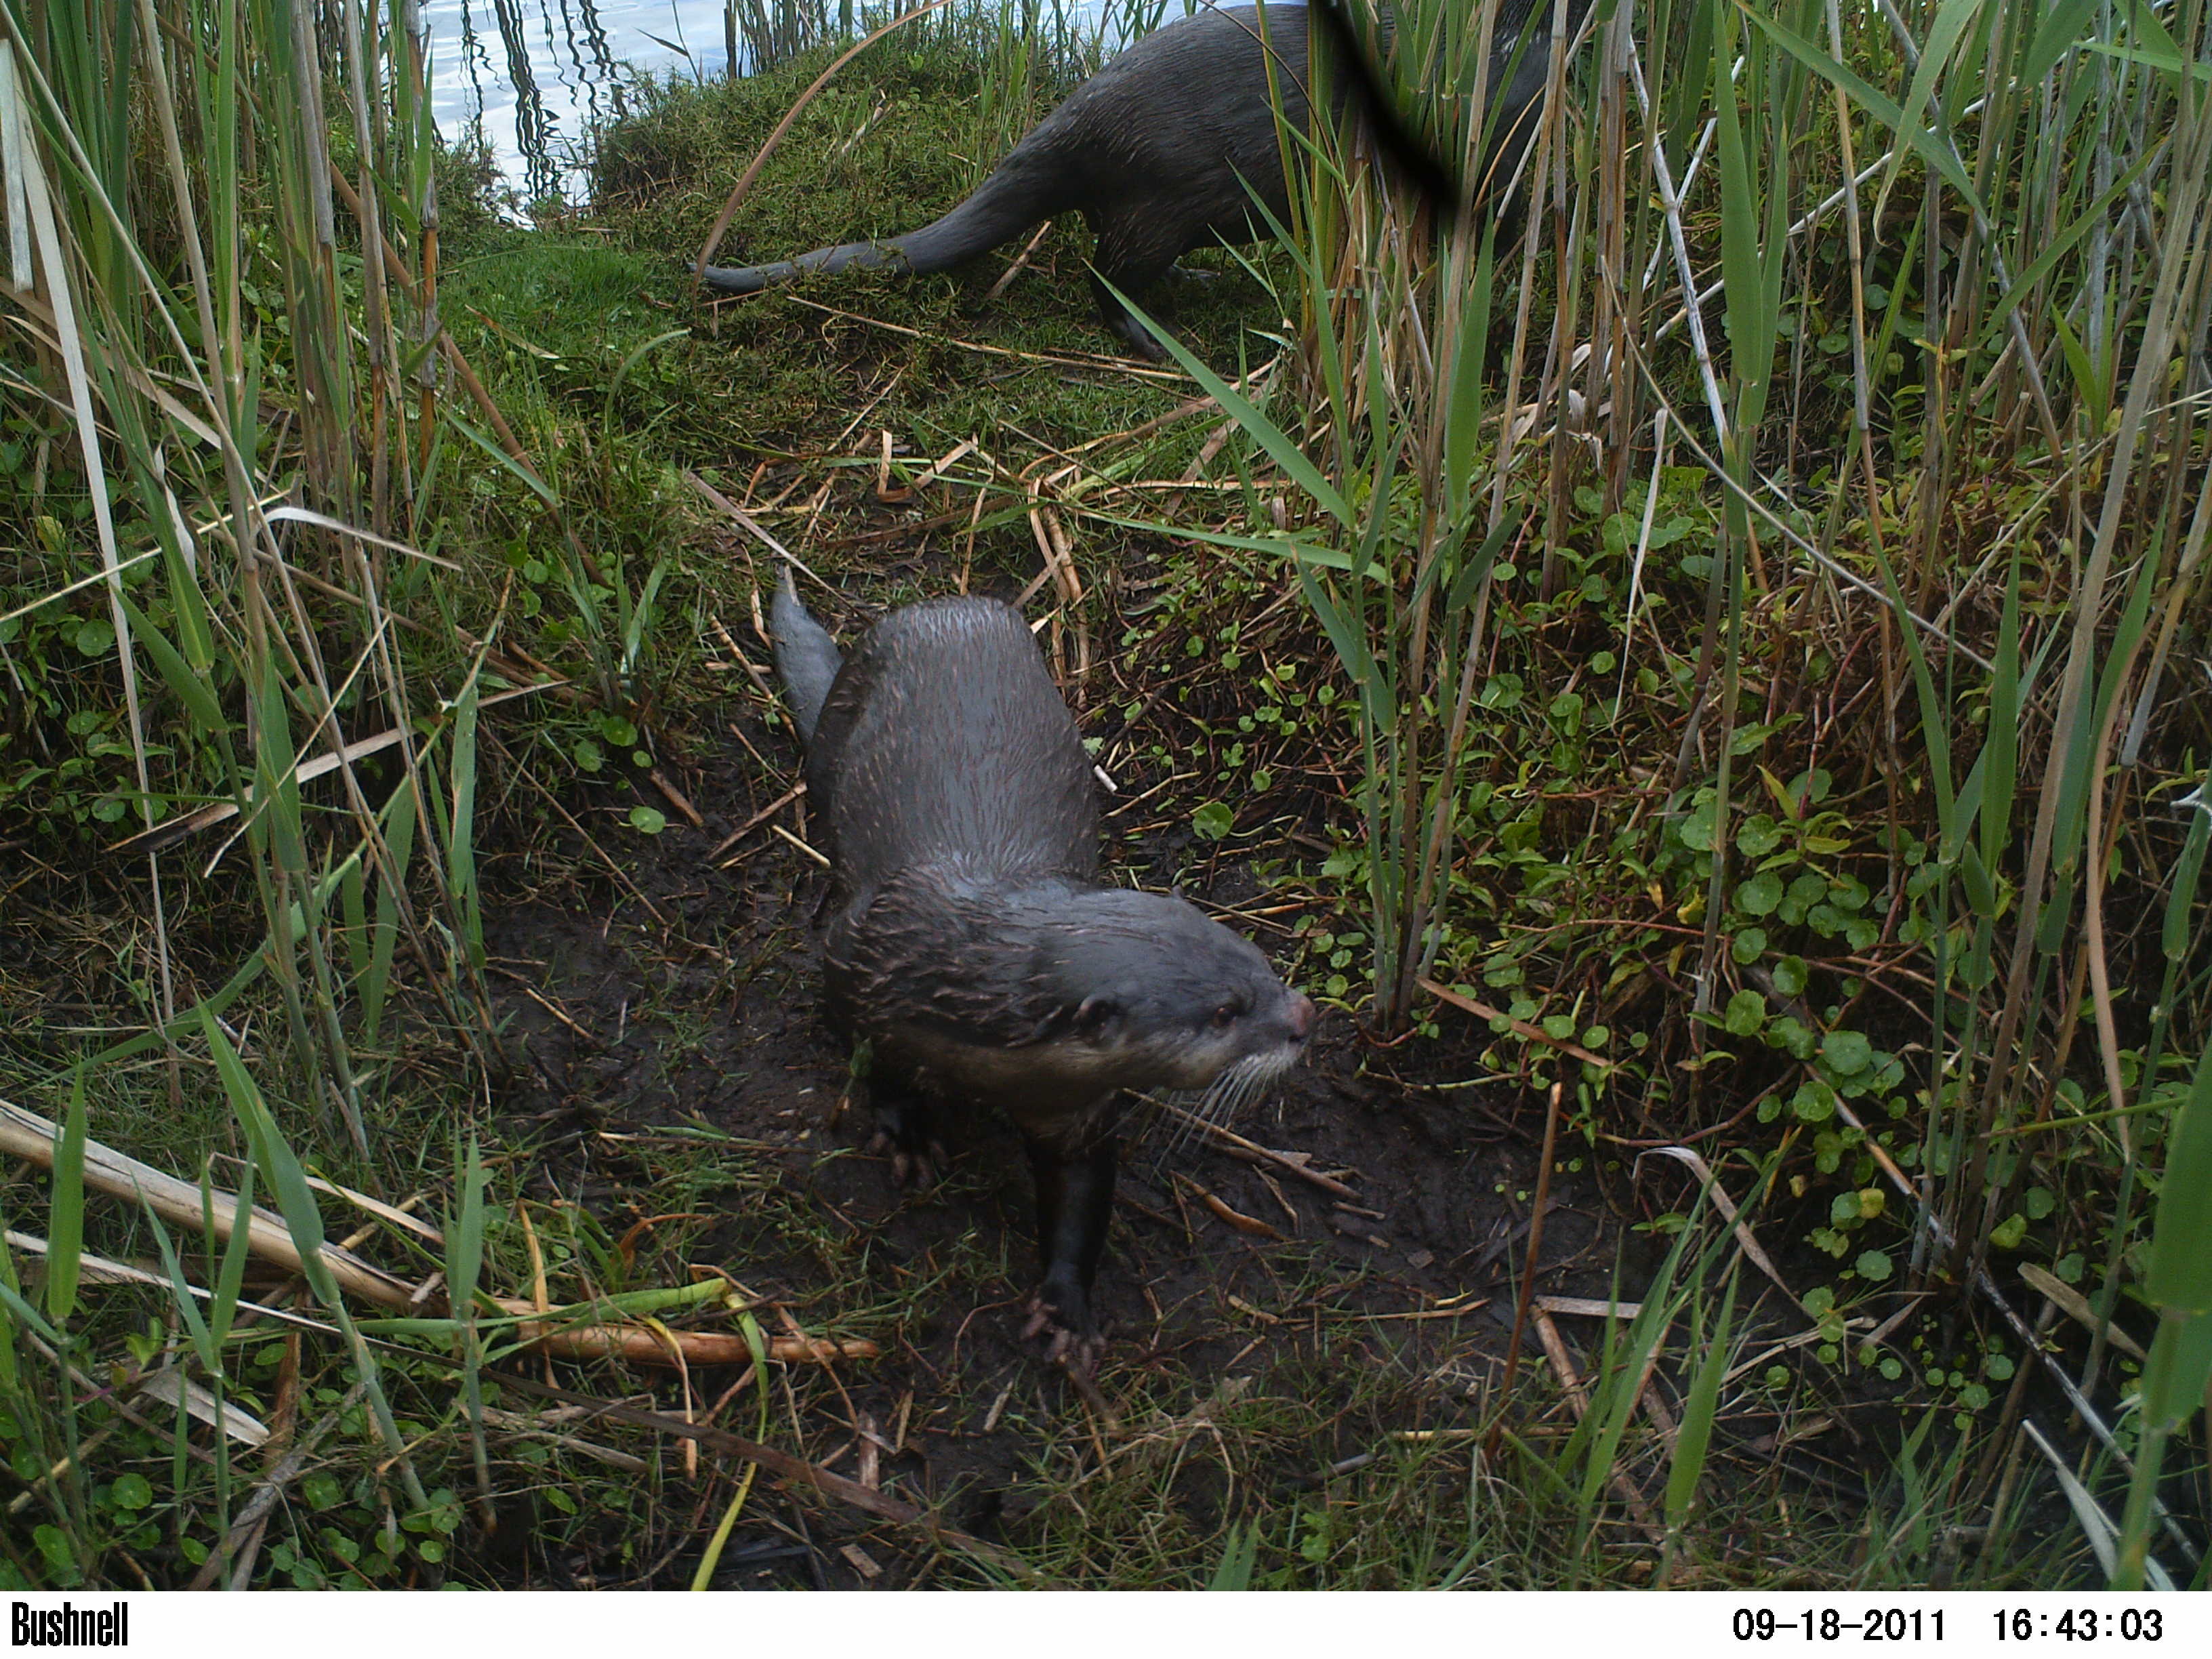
<point>65,1220</point>
<point>275,1159</point>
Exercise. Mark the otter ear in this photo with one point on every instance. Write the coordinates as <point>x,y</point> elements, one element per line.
<point>1096,1014</point>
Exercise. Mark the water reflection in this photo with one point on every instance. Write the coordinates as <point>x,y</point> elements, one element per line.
<point>533,77</point>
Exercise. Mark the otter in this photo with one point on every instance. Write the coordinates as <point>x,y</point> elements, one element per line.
<point>1165,148</point>
<point>971,942</point>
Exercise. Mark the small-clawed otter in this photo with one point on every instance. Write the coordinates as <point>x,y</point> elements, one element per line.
<point>1158,148</point>
<point>971,941</point>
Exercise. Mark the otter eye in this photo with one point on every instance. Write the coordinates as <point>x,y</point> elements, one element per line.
<point>1225,1016</point>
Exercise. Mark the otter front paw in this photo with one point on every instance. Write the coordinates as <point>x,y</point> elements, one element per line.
<point>1060,1315</point>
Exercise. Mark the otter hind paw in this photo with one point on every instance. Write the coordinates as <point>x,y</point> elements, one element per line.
<point>915,1167</point>
<point>904,1130</point>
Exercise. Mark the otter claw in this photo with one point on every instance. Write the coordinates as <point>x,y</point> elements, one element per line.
<point>912,1169</point>
<point>917,1170</point>
<point>1080,1354</point>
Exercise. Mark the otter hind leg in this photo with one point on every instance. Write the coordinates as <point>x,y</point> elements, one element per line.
<point>904,1128</point>
<point>1134,252</point>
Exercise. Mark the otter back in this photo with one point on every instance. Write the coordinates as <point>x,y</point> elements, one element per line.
<point>944,741</point>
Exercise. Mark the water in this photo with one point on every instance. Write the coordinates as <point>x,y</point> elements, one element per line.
<point>534,77</point>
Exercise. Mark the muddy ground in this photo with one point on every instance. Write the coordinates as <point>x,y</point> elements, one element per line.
<point>680,996</point>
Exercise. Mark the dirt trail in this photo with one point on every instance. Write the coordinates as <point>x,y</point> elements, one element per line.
<point>682,993</point>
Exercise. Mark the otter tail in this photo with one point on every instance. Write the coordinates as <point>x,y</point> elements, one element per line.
<point>806,658</point>
<point>1015,197</point>
<point>752,279</point>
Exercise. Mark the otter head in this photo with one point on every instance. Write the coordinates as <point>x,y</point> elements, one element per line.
<point>1154,995</point>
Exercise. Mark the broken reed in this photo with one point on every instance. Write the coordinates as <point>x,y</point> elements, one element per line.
<point>1986,228</point>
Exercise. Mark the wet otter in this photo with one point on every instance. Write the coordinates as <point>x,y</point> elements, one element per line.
<point>971,942</point>
<point>1156,151</point>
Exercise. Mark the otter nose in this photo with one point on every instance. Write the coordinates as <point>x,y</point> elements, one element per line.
<point>1302,1016</point>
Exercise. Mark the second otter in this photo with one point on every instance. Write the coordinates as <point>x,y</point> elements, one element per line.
<point>972,943</point>
<point>1164,150</point>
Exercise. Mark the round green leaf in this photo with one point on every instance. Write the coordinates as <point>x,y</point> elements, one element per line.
<point>647,821</point>
<point>1760,896</point>
<point>1847,1053</point>
<point>1814,1102</point>
<point>1758,836</point>
<point>1212,821</point>
<point>1697,828</point>
<point>1787,1033</point>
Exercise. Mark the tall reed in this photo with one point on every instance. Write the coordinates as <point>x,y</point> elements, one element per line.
<point>222,309</point>
<point>271,497</point>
